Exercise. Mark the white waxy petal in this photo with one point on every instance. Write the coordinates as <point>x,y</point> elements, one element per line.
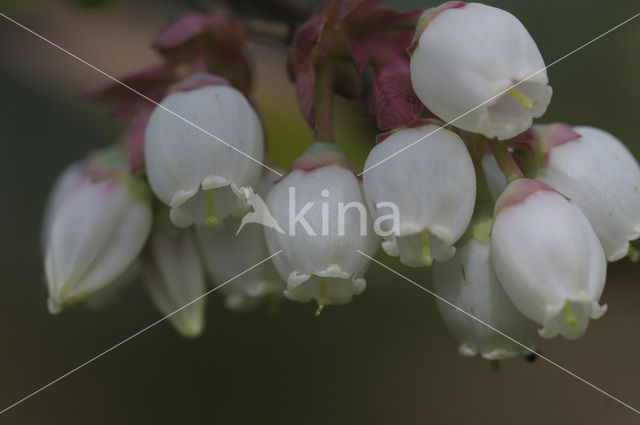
<point>227,253</point>
<point>329,255</point>
<point>175,277</point>
<point>548,258</point>
<point>469,282</point>
<point>465,59</point>
<point>183,161</point>
<point>96,234</point>
<point>599,174</point>
<point>337,290</point>
<point>432,183</point>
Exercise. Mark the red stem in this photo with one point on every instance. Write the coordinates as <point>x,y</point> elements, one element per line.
<point>323,101</point>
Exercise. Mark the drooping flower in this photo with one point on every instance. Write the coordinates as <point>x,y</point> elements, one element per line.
<point>464,61</point>
<point>319,205</point>
<point>432,184</point>
<point>548,258</point>
<point>234,248</point>
<point>196,174</point>
<point>599,174</point>
<point>469,282</point>
<point>175,277</point>
<point>96,231</point>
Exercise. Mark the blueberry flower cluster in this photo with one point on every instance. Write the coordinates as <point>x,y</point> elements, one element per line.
<point>164,204</point>
<point>516,220</point>
<point>565,202</point>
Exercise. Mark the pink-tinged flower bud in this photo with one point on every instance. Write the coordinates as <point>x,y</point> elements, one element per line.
<point>548,258</point>
<point>467,55</point>
<point>599,174</point>
<point>96,233</point>
<point>237,245</point>
<point>72,175</point>
<point>323,222</point>
<point>195,174</point>
<point>175,277</point>
<point>469,282</point>
<point>431,184</point>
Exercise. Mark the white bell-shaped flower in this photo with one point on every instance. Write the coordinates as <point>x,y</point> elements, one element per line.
<point>465,56</point>
<point>548,258</point>
<point>469,282</point>
<point>175,277</point>
<point>323,221</point>
<point>599,174</point>
<point>431,186</point>
<point>97,232</point>
<point>195,174</point>
<point>236,246</point>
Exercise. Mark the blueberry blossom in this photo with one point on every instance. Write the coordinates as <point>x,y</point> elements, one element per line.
<point>599,174</point>
<point>175,277</point>
<point>548,258</point>
<point>320,205</point>
<point>96,232</point>
<point>233,248</point>
<point>465,58</point>
<point>469,282</point>
<point>68,179</point>
<point>433,186</point>
<point>195,174</point>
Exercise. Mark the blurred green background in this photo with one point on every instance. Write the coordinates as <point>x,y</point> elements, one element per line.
<point>383,359</point>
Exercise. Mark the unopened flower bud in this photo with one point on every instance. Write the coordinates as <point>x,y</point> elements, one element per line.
<point>96,233</point>
<point>175,277</point>
<point>68,179</point>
